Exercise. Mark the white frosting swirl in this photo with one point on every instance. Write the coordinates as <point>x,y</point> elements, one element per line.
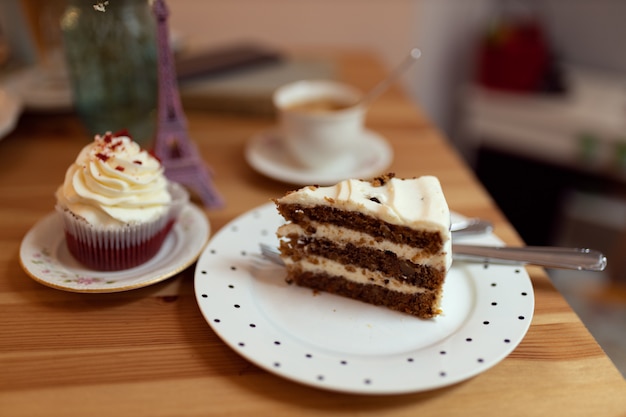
<point>113,181</point>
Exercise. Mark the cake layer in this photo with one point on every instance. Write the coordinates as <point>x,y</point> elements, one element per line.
<point>368,261</point>
<point>420,304</point>
<point>358,275</point>
<point>343,235</point>
<point>430,241</point>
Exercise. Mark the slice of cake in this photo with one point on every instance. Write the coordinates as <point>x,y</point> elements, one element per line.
<point>385,241</point>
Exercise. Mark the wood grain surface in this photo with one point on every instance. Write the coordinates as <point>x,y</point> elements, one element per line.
<point>149,352</point>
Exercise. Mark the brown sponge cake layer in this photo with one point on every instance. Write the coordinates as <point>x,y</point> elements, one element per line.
<point>386,262</point>
<point>419,305</point>
<point>430,242</point>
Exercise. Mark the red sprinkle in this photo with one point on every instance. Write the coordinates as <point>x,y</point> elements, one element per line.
<point>108,145</point>
<point>102,157</point>
<point>119,168</point>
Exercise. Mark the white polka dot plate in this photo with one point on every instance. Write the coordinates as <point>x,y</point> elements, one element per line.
<point>338,344</point>
<point>45,258</point>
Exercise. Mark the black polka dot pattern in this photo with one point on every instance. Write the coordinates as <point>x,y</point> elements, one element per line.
<point>233,283</point>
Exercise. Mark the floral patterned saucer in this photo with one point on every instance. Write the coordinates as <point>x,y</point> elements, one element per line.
<point>45,258</point>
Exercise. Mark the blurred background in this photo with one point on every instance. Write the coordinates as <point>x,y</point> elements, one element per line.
<point>532,94</point>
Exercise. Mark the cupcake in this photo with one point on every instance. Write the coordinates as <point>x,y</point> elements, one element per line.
<point>116,204</point>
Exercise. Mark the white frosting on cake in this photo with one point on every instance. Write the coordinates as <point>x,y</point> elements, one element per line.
<point>417,203</point>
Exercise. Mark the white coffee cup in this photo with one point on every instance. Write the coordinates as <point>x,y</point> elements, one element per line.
<point>320,120</point>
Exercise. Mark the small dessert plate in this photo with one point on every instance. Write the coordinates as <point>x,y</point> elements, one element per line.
<point>45,257</point>
<point>266,153</point>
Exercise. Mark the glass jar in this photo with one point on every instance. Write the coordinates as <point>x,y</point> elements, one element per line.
<point>112,62</point>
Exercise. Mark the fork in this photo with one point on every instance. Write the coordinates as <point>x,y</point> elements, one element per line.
<point>545,256</point>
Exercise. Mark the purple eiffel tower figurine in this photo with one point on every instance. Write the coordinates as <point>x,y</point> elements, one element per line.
<point>172,145</point>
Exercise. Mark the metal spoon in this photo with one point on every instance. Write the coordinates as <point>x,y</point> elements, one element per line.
<point>380,88</point>
<point>471,226</point>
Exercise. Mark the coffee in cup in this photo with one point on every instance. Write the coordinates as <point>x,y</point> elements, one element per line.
<point>319,105</point>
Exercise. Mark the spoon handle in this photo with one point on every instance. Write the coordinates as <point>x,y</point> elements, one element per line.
<point>413,55</point>
<point>546,256</point>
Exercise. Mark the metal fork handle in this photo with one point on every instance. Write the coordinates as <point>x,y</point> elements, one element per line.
<point>545,256</point>
<point>580,259</point>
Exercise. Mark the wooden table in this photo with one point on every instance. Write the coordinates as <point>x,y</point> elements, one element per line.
<point>149,352</point>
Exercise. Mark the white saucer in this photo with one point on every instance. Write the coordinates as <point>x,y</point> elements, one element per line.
<point>10,109</point>
<point>45,257</point>
<point>266,153</point>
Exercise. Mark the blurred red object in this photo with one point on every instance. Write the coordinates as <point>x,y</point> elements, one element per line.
<point>514,56</point>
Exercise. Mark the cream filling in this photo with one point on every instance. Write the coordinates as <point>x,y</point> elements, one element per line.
<point>358,275</point>
<point>342,236</point>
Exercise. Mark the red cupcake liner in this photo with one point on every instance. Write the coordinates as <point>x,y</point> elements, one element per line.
<point>123,247</point>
